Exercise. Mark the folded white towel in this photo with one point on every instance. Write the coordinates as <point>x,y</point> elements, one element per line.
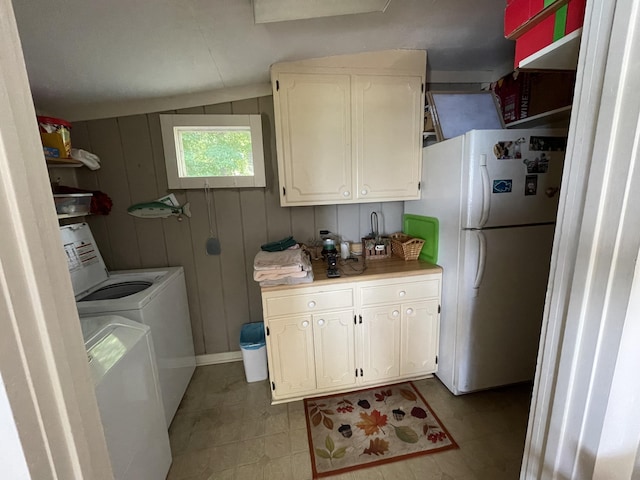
<point>285,259</point>
<point>276,274</point>
<point>308,278</point>
<point>282,271</point>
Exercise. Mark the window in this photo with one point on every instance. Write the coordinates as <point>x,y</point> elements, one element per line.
<point>213,150</point>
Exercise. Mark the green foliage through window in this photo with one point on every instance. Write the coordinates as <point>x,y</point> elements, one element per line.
<point>217,153</point>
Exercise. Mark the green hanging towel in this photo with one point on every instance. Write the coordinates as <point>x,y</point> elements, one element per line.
<point>279,245</point>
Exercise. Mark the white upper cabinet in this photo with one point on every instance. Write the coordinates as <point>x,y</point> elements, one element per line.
<point>349,128</point>
<point>314,109</point>
<point>388,121</point>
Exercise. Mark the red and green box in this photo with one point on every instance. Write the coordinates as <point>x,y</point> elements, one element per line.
<point>563,21</point>
<point>522,15</point>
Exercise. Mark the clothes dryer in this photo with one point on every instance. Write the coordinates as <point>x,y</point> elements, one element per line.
<point>156,297</point>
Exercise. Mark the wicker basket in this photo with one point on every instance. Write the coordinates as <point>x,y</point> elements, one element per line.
<point>405,246</point>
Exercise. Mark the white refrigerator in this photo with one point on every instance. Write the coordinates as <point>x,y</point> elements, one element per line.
<point>495,194</point>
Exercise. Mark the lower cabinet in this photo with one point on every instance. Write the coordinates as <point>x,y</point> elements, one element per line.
<point>307,352</point>
<point>291,357</point>
<point>323,340</point>
<point>380,344</point>
<point>419,337</point>
<point>335,357</point>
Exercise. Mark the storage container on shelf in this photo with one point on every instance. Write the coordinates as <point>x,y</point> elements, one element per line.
<point>73,203</point>
<point>56,136</point>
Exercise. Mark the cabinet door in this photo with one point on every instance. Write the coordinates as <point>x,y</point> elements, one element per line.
<point>314,138</point>
<point>388,120</point>
<point>380,337</point>
<point>419,338</point>
<point>334,349</point>
<point>291,358</point>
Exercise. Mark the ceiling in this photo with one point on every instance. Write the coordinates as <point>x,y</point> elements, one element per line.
<point>84,54</point>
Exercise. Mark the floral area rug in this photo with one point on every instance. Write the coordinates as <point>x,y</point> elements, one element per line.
<point>370,427</point>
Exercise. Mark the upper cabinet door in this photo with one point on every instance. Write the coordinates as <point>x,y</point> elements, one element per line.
<point>314,141</point>
<point>388,120</point>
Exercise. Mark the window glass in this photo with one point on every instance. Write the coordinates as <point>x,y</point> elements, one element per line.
<point>213,150</point>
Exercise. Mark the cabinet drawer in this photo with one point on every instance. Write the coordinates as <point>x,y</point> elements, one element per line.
<point>289,304</point>
<point>399,292</point>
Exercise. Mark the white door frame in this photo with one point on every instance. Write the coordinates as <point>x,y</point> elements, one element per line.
<point>583,373</point>
<point>43,362</point>
<point>584,379</point>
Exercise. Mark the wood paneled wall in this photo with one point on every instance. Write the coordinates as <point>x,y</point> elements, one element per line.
<point>221,290</point>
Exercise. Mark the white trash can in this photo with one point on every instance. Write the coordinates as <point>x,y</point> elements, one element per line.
<point>254,351</point>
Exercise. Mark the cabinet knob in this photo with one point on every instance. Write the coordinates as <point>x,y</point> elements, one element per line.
<point>409,311</point>
<point>346,194</point>
<point>321,322</point>
<point>395,313</point>
<point>402,293</point>
<point>305,324</point>
<point>363,192</point>
<point>311,304</point>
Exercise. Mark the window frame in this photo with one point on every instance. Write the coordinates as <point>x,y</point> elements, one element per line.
<point>168,122</point>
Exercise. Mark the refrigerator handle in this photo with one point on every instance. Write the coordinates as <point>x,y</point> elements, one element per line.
<point>482,260</point>
<point>486,191</point>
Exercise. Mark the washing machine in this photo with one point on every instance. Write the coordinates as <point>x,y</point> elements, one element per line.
<point>156,297</point>
<point>123,369</point>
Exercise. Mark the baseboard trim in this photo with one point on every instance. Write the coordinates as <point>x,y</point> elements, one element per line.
<point>216,358</point>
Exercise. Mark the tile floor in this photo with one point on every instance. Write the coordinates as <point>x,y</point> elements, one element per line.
<point>226,428</point>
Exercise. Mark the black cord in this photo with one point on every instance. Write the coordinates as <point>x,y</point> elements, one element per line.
<point>352,266</point>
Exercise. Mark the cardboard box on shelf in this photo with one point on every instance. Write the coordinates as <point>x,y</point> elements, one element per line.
<point>526,94</point>
<point>55,134</point>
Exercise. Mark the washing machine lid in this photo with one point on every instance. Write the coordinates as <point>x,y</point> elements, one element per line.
<point>117,290</point>
<point>160,279</point>
<point>107,339</point>
<point>86,266</point>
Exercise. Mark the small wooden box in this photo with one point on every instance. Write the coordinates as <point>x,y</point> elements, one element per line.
<point>373,251</point>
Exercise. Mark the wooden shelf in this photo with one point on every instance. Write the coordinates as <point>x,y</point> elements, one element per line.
<point>62,216</point>
<point>560,55</point>
<point>543,119</point>
<point>62,162</point>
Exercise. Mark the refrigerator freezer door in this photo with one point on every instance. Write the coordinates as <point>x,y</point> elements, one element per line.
<point>501,301</point>
<point>513,178</point>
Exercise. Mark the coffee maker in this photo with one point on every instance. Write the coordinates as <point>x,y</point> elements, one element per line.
<point>330,253</point>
